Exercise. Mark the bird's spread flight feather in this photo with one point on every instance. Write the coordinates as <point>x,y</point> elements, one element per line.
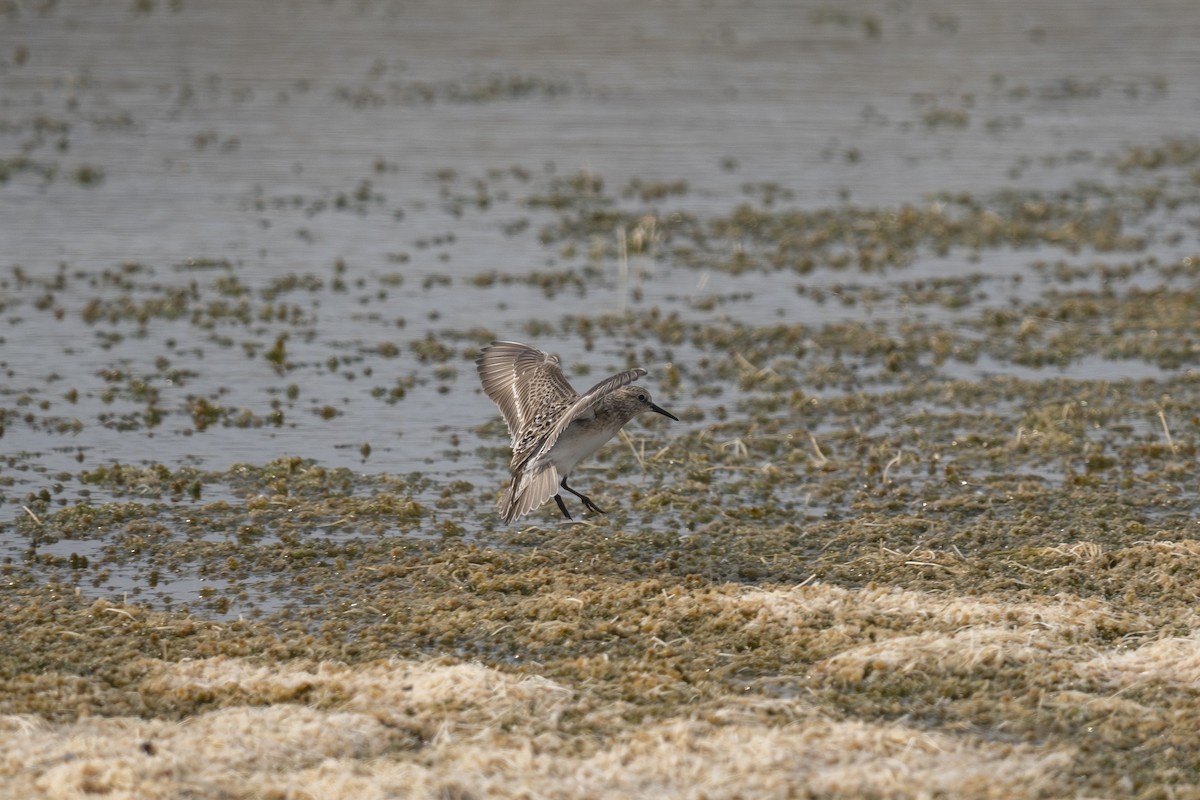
<point>524,383</point>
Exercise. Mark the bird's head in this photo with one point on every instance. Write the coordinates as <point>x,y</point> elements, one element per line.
<point>634,400</point>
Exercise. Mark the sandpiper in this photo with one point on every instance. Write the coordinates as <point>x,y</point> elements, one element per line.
<point>553,427</point>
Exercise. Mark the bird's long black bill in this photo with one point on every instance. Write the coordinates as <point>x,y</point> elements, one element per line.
<point>663,411</point>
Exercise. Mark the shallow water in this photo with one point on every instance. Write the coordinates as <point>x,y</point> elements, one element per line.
<point>234,234</point>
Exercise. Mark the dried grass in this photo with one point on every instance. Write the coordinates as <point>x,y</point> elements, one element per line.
<point>440,729</point>
<point>295,751</point>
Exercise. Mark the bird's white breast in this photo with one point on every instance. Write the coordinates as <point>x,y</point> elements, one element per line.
<point>578,441</point>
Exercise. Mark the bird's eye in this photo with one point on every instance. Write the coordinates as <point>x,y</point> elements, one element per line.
<point>642,397</point>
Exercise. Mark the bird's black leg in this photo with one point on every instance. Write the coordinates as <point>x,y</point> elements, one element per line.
<point>587,501</point>
<point>562,506</point>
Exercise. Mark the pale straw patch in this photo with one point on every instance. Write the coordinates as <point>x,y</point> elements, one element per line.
<point>294,752</point>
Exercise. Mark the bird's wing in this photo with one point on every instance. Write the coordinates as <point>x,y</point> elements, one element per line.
<point>523,382</point>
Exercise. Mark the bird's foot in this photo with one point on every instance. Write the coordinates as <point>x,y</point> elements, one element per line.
<point>562,506</point>
<point>590,506</point>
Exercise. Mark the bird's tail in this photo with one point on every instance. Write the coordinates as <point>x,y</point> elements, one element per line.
<point>529,489</point>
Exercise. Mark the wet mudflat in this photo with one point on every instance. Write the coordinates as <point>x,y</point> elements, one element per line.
<point>928,524</point>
